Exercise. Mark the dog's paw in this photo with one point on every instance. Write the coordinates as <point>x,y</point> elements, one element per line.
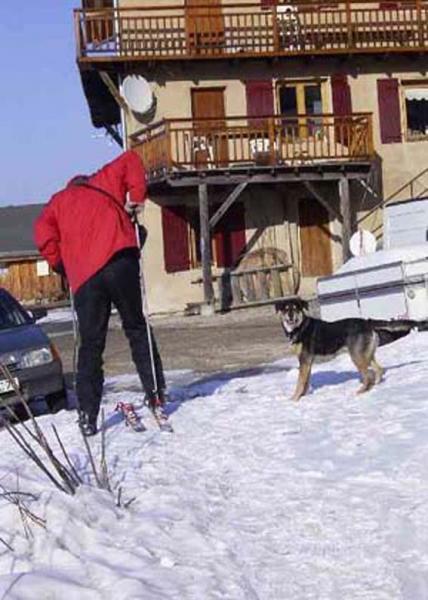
<point>295,398</point>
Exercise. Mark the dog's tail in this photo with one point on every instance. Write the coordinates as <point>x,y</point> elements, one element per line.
<point>389,331</point>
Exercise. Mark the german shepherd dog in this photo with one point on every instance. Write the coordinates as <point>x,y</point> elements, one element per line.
<point>314,340</point>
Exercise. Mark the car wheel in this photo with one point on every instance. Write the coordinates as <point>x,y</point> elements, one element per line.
<point>57,401</point>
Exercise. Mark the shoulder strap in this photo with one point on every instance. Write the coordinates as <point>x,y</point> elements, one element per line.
<point>142,232</point>
<point>106,194</point>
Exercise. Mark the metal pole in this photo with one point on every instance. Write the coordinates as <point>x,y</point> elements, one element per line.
<point>76,338</point>
<point>145,304</point>
<point>345,209</point>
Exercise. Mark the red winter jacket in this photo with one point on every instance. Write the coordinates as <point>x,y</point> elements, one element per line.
<point>82,227</point>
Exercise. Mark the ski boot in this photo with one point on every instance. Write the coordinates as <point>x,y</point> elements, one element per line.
<point>87,425</point>
<point>156,404</point>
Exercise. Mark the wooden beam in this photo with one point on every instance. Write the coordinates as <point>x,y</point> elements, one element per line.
<point>330,209</point>
<point>227,203</point>
<point>204,217</point>
<point>345,209</point>
<point>192,178</point>
<point>113,90</point>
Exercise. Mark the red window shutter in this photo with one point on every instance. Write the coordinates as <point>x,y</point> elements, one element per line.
<point>342,101</point>
<point>175,239</point>
<point>259,100</point>
<point>389,111</point>
<point>229,236</point>
<point>266,3</point>
<point>342,106</point>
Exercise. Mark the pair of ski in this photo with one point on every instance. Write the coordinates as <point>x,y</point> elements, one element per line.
<point>136,423</point>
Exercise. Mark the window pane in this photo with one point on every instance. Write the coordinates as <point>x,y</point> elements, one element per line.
<point>11,314</point>
<point>313,106</point>
<point>288,101</point>
<point>417,116</point>
<point>313,102</point>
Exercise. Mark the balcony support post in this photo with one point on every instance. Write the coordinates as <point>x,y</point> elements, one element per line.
<point>345,209</point>
<point>207,277</point>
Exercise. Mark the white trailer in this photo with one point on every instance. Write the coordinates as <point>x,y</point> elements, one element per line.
<point>387,284</point>
<point>405,223</point>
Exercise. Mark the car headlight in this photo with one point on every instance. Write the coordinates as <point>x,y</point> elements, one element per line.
<point>35,358</point>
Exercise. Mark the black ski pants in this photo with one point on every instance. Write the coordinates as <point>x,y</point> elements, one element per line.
<point>117,283</point>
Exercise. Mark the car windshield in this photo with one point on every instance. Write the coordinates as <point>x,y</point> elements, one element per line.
<point>11,314</point>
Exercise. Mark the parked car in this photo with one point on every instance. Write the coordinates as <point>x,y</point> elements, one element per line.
<point>30,356</point>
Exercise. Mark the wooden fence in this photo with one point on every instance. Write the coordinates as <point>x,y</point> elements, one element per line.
<point>250,30</point>
<point>253,287</point>
<point>186,144</point>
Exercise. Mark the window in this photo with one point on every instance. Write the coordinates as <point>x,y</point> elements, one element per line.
<point>416,106</point>
<point>302,100</point>
<point>11,314</point>
<point>181,237</point>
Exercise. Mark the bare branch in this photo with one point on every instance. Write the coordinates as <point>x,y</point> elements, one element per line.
<point>91,461</point>
<point>39,437</point>
<point>119,497</point>
<point>103,462</point>
<point>23,444</point>
<point>6,544</point>
<point>16,498</point>
<point>12,494</point>
<point>76,475</point>
<point>129,502</point>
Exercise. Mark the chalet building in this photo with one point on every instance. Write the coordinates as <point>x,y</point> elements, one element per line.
<point>276,130</point>
<point>23,272</point>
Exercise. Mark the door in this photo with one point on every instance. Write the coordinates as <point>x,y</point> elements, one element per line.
<point>303,99</point>
<point>204,26</point>
<point>209,138</point>
<point>315,238</point>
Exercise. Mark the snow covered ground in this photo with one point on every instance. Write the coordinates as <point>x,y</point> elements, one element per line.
<point>61,315</point>
<point>57,315</point>
<point>252,498</point>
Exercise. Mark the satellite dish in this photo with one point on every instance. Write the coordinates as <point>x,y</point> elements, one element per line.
<point>362,242</point>
<point>139,96</point>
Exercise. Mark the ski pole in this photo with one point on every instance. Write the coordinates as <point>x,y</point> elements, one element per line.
<point>75,336</point>
<point>145,303</point>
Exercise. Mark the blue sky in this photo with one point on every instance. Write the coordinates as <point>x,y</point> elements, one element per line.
<point>46,132</point>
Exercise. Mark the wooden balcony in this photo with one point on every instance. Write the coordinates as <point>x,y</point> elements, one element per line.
<point>175,150</point>
<point>246,30</point>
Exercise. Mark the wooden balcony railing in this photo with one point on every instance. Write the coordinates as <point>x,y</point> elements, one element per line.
<point>248,30</point>
<point>188,145</point>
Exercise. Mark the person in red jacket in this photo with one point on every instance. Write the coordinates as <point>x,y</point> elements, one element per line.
<point>86,233</point>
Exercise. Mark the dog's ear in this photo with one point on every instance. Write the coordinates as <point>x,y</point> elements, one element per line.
<point>279,306</point>
<point>303,304</point>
